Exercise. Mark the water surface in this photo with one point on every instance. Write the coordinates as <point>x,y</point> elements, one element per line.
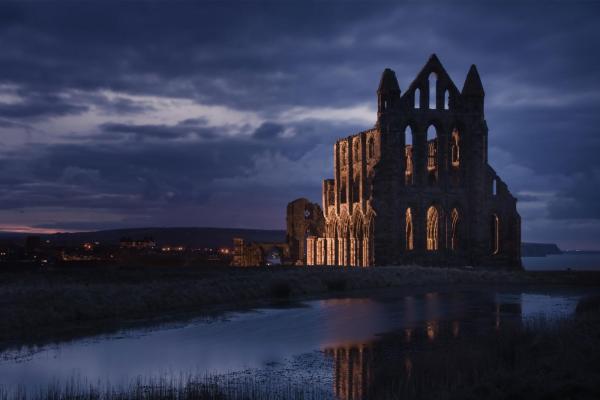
<point>562,262</point>
<point>311,340</point>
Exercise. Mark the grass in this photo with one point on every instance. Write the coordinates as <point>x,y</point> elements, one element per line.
<point>39,305</point>
<point>544,359</point>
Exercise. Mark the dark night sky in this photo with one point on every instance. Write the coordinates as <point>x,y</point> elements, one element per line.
<point>218,114</point>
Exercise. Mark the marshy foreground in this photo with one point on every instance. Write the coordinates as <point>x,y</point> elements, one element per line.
<point>452,344</point>
<point>38,306</point>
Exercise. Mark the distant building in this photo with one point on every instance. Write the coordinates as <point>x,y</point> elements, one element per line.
<point>146,243</point>
<point>417,188</point>
<point>249,254</point>
<point>172,249</point>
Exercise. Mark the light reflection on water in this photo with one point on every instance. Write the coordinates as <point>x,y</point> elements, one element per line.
<point>339,335</point>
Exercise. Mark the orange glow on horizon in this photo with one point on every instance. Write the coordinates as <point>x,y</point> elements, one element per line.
<point>30,229</point>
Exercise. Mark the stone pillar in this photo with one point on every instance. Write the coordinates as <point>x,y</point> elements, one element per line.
<point>331,251</point>
<point>353,252</point>
<point>359,253</point>
<point>321,251</point>
<point>311,250</point>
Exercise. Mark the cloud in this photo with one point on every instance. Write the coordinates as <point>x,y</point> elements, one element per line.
<point>220,117</point>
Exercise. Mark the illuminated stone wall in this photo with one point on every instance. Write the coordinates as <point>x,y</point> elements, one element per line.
<point>427,155</point>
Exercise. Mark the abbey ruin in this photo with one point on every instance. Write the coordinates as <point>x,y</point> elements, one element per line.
<point>417,187</point>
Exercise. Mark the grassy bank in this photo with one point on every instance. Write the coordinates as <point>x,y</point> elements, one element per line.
<point>543,359</point>
<point>37,305</point>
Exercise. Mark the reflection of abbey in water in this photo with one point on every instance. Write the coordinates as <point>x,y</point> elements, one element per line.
<point>417,187</point>
<point>361,370</point>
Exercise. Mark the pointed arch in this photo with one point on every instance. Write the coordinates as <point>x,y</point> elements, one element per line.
<point>455,148</point>
<point>356,188</point>
<point>408,156</point>
<point>342,240</point>
<point>495,234</point>
<point>455,229</point>
<point>432,82</point>
<point>343,155</point>
<point>432,154</point>
<point>371,147</point>
<point>356,151</point>
<point>417,98</point>
<point>357,236</point>
<point>343,186</point>
<point>433,228</point>
<point>410,243</point>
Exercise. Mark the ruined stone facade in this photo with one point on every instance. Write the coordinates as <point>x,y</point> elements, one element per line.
<point>253,254</point>
<point>417,187</point>
<point>303,219</point>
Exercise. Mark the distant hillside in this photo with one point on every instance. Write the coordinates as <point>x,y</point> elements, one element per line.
<point>539,249</point>
<point>191,237</point>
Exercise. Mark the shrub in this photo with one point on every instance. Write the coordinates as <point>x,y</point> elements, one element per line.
<point>280,289</point>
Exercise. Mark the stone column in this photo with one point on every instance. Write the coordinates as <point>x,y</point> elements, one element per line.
<point>311,250</point>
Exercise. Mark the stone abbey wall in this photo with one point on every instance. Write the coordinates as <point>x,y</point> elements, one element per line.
<point>417,188</point>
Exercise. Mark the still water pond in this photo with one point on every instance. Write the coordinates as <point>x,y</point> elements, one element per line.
<point>562,262</point>
<point>313,340</point>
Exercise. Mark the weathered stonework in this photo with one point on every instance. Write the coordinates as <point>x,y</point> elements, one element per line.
<point>401,197</point>
<point>304,219</point>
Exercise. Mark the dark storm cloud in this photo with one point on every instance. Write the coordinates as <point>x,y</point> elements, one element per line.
<point>155,131</point>
<point>268,130</point>
<point>125,173</point>
<point>40,105</point>
<point>580,199</point>
<point>540,68</point>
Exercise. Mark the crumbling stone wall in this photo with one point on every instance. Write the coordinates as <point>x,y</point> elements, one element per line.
<point>252,254</point>
<point>433,200</point>
<point>303,219</point>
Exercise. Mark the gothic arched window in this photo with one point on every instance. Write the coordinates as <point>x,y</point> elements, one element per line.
<point>371,147</point>
<point>432,91</point>
<point>408,155</point>
<point>455,148</point>
<point>417,98</point>
<point>495,234</point>
<point>343,190</point>
<point>432,228</point>
<point>410,245</point>
<point>455,232</point>
<point>356,189</point>
<point>432,162</point>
